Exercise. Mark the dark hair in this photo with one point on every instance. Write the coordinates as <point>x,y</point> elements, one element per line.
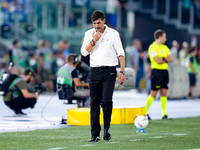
<point>71,57</point>
<point>59,52</point>
<point>31,54</point>
<point>192,49</point>
<point>65,41</point>
<point>42,43</point>
<point>15,42</point>
<point>158,33</point>
<point>29,72</point>
<point>97,15</point>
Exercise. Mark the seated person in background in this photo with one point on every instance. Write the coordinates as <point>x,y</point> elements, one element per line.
<point>18,97</point>
<point>67,80</point>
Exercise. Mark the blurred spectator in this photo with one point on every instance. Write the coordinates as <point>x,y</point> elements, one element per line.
<point>111,11</point>
<point>44,66</point>
<point>12,7</point>
<point>26,4</point>
<point>124,8</point>
<point>134,57</point>
<point>33,61</point>
<point>192,69</point>
<point>66,47</point>
<point>148,69</point>
<point>30,62</point>
<point>60,46</point>
<point>72,20</point>
<point>25,63</point>
<point>140,72</point>
<point>193,42</point>
<point>134,54</point>
<point>17,6</point>
<point>58,61</point>
<point>5,27</point>
<point>5,6</point>
<point>49,45</point>
<point>174,52</point>
<point>15,54</point>
<point>183,54</point>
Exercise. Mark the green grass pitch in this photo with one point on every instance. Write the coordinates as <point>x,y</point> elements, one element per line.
<point>174,134</point>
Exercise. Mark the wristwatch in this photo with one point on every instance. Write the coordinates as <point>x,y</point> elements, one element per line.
<point>165,60</point>
<point>123,72</point>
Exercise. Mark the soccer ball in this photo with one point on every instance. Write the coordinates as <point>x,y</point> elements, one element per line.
<point>141,122</point>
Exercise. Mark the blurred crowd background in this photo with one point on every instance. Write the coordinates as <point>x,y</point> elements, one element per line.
<point>42,33</point>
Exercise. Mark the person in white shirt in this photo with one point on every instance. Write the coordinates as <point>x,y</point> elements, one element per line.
<point>183,54</point>
<point>104,46</point>
<point>174,53</point>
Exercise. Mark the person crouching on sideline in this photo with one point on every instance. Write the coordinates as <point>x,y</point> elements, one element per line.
<point>18,97</point>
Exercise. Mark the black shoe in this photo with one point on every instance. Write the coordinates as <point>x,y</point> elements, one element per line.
<point>165,117</point>
<point>19,113</point>
<point>149,118</point>
<point>107,135</point>
<point>94,139</point>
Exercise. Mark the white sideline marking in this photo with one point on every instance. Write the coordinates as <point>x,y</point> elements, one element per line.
<point>158,137</point>
<point>168,133</point>
<point>112,142</point>
<point>135,140</point>
<point>143,133</point>
<point>56,148</point>
<point>87,145</point>
<point>179,134</point>
<point>175,134</point>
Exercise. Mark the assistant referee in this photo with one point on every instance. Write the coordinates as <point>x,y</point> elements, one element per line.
<point>159,56</point>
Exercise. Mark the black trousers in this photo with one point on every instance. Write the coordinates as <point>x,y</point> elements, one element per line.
<point>21,103</point>
<point>102,81</point>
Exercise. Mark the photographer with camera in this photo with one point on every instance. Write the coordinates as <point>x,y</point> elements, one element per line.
<point>18,96</point>
<point>67,81</point>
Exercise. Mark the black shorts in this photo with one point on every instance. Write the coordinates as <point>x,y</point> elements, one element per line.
<point>193,80</point>
<point>159,79</point>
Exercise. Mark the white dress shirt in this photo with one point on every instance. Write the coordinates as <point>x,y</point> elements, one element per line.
<point>106,49</point>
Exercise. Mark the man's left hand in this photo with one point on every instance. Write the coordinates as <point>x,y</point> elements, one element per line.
<point>121,78</point>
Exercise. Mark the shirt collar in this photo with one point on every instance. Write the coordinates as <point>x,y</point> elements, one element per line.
<point>106,30</point>
<point>157,44</point>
